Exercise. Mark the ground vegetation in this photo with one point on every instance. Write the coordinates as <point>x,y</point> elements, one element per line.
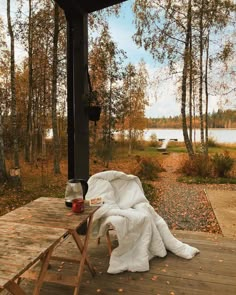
<point>180,200</point>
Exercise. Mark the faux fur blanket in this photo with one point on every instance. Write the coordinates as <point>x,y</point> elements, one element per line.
<point>141,232</point>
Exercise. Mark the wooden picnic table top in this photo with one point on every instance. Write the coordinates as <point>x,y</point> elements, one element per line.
<point>22,245</point>
<point>49,212</point>
<point>32,232</point>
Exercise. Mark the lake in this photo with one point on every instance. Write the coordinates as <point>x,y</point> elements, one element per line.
<point>219,135</point>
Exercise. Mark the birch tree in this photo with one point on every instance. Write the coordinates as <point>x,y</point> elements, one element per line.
<point>28,145</point>
<point>4,57</point>
<point>164,29</point>
<point>13,89</point>
<point>106,61</point>
<point>187,58</point>
<point>177,32</point>
<point>56,142</point>
<point>134,101</point>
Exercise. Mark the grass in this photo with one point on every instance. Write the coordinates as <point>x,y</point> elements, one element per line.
<point>206,180</point>
<point>145,149</point>
<point>220,149</point>
<point>39,180</point>
<point>179,147</point>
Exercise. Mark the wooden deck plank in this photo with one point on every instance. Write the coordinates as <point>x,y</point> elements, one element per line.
<point>212,272</point>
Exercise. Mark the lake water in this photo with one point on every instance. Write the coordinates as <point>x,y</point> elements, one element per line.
<point>219,135</point>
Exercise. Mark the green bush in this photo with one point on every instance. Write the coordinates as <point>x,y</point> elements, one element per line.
<point>147,168</point>
<point>222,164</point>
<point>104,152</point>
<point>138,145</point>
<point>149,191</point>
<point>153,140</point>
<point>212,142</point>
<point>198,165</point>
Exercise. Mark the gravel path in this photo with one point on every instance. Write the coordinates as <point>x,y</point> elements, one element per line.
<point>185,206</point>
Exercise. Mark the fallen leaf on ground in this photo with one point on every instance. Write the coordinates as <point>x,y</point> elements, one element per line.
<point>154,278</point>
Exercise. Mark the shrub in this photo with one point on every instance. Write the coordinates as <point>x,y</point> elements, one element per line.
<point>149,192</point>
<point>147,168</point>
<point>212,142</point>
<point>153,140</point>
<point>222,164</point>
<point>198,165</point>
<point>103,152</point>
<point>138,144</point>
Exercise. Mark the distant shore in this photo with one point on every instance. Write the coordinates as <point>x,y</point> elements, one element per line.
<point>219,135</point>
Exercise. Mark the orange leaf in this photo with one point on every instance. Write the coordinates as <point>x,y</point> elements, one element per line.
<point>154,278</point>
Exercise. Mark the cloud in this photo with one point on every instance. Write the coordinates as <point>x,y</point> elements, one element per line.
<point>163,100</point>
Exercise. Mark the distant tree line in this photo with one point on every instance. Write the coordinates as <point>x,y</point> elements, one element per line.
<point>219,119</point>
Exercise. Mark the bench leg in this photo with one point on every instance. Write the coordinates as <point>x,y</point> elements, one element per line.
<point>44,268</point>
<point>84,259</point>
<point>109,246</point>
<point>14,289</point>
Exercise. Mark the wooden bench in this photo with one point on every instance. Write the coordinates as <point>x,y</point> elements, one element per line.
<point>164,145</point>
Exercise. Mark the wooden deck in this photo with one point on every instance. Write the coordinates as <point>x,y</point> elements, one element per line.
<point>211,272</point>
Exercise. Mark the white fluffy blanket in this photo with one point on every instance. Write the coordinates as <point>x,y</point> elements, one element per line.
<point>141,232</point>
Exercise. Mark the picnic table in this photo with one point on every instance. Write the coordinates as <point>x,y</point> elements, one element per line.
<point>31,233</point>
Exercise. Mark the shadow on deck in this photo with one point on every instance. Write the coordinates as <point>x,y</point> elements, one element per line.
<point>211,272</point>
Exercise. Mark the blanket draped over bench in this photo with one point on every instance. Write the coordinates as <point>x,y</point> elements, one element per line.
<point>141,232</point>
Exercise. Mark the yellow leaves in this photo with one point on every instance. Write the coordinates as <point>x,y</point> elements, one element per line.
<point>61,266</point>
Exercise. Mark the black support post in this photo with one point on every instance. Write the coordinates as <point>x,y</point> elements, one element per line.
<point>70,101</point>
<point>77,87</point>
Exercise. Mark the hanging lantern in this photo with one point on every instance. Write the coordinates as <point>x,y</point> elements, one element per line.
<point>93,108</point>
<point>94,113</point>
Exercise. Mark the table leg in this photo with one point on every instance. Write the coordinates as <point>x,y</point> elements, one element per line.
<point>44,268</point>
<point>83,249</point>
<point>14,289</point>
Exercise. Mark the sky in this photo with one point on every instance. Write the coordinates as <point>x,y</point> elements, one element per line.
<point>122,29</point>
<point>162,94</point>
<point>162,99</point>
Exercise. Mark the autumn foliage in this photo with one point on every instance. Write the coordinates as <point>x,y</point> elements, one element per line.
<point>217,165</point>
<point>147,168</point>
